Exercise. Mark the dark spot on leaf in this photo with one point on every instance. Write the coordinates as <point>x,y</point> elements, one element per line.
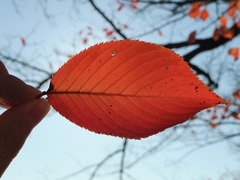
<point>167,67</point>
<point>196,87</point>
<point>111,105</point>
<point>113,54</point>
<point>109,112</point>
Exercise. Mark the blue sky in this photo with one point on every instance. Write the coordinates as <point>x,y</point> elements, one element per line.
<point>57,147</point>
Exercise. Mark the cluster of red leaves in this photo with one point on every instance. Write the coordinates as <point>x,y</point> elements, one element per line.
<point>196,11</point>
<point>108,32</point>
<point>233,7</point>
<point>224,32</point>
<point>133,4</point>
<point>86,33</point>
<point>231,15</point>
<point>217,114</point>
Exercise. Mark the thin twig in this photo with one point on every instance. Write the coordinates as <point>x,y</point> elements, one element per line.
<point>122,164</point>
<point>101,163</point>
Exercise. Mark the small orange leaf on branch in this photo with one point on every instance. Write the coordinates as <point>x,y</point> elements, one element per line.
<point>227,33</point>
<point>129,88</point>
<point>216,34</point>
<point>192,37</point>
<point>195,11</point>
<point>223,21</point>
<point>204,14</point>
<point>234,52</point>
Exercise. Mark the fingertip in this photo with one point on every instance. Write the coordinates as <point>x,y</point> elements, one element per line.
<point>38,111</point>
<point>3,69</point>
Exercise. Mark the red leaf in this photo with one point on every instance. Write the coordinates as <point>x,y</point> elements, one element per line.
<point>204,14</point>
<point>236,94</point>
<point>234,52</point>
<point>85,40</point>
<point>194,10</point>
<point>238,24</point>
<point>216,34</point>
<point>236,116</point>
<point>227,33</point>
<point>134,4</point>
<point>109,33</point>
<point>223,21</point>
<point>238,5</point>
<point>191,38</point>
<point>124,26</point>
<point>159,32</point>
<point>105,29</point>
<point>128,88</point>
<point>231,10</point>
<point>213,125</point>
<point>120,5</point>
<point>23,41</point>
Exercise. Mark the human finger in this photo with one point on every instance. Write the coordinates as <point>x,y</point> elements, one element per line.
<point>13,91</point>
<point>3,69</point>
<point>15,126</point>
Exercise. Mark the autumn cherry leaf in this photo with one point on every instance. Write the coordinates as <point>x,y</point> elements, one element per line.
<point>128,88</point>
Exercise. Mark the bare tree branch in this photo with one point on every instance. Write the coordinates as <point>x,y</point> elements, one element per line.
<point>8,58</point>
<point>108,20</point>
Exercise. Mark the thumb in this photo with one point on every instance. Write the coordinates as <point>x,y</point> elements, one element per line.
<point>15,126</point>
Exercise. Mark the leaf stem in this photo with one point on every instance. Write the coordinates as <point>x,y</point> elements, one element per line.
<point>42,94</point>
